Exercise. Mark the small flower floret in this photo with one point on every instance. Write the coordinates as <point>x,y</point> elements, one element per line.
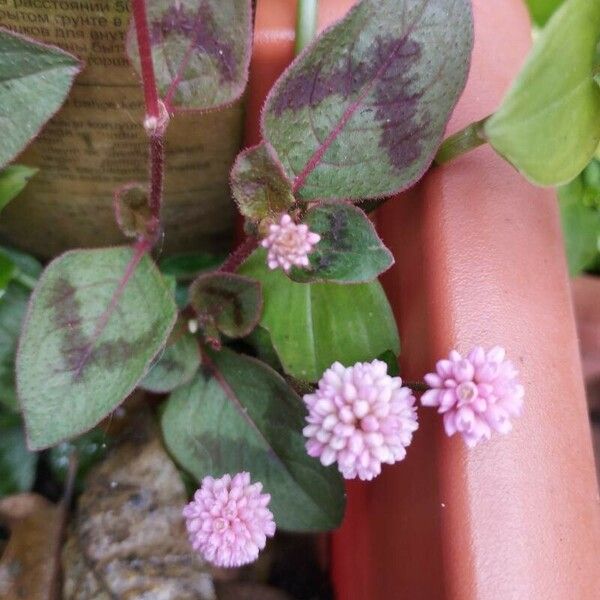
<point>360,417</point>
<point>228,521</point>
<point>477,394</point>
<point>289,244</point>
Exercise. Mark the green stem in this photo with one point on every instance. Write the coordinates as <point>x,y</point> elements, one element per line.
<point>25,280</point>
<point>306,23</point>
<point>465,140</point>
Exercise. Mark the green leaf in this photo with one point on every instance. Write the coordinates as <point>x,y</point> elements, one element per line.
<point>188,266</point>
<point>13,180</point>
<point>13,305</point>
<point>262,346</point>
<point>175,367</point>
<point>391,360</point>
<point>259,185</point>
<point>580,215</point>
<point>362,112</point>
<point>542,10</point>
<point>232,303</point>
<point>26,265</point>
<point>200,50</point>
<point>96,321</point>
<point>349,251</point>
<point>220,424</point>
<point>7,271</point>
<point>548,125</point>
<point>34,82</point>
<point>17,464</point>
<point>314,324</point>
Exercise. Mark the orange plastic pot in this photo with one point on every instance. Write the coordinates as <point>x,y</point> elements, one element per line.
<point>479,260</point>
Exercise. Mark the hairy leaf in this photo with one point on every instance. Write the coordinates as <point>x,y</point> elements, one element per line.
<point>259,185</point>
<point>13,304</point>
<point>12,181</point>
<point>94,324</point>
<point>17,464</point>
<point>548,125</point>
<point>349,251</point>
<point>175,367</point>
<point>361,113</point>
<point>200,50</point>
<point>314,324</point>
<point>580,215</point>
<point>232,303</point>
<point>34,82</point>
<point>220,424</point>
<point>132,211</point>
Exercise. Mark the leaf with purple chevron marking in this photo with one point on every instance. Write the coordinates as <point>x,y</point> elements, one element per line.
<point>259,185</point>
<point>238,414</point>
<point>94,324</point>
<point>362,111</point>
<point>349,251</point>
<point>200,50</point>
<point>229,303</point>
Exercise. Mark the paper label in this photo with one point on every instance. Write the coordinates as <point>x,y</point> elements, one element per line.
<point>96,143</point>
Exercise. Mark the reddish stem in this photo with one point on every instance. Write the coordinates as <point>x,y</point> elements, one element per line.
<point>157,169</point>
<point>145,50</point>
<point>157,144</point>
<point>239,255</point>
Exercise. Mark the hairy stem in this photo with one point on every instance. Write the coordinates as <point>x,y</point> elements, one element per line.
<point>239,255</point>
<point>306,23</point>
<point>157,170</point>
<point>155,122</point>
<point>465,140</point>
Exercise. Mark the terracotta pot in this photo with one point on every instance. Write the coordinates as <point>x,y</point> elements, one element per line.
<point>479,260</point>
<point>586,298</point>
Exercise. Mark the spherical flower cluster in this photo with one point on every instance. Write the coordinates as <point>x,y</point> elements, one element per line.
<point>360,417</point>
<point>477,394</point>
<point>289,244</point>
<point>228,520</point>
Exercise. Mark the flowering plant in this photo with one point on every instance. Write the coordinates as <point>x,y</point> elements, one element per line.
<point>281,362</point>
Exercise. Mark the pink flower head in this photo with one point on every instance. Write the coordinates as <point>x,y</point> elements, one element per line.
<point>360,417</point>
<point>476,394</point>
<point>228,520</point>
<point>289,244</point>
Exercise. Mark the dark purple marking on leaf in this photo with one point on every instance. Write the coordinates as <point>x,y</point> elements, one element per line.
<point>383,72</point>
<point>67,318</point>
<point>230,297</point>
<point>75,345</point>
<point>200,29</point>
<point>337,232</point>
